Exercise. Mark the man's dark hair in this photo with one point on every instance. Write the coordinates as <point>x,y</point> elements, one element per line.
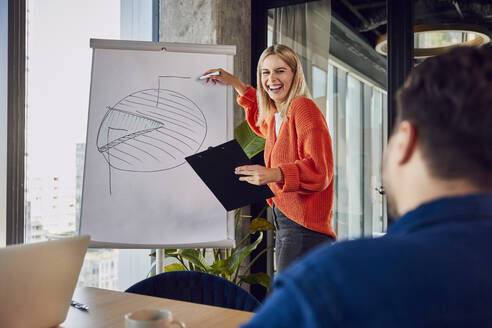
<point>449,100</point>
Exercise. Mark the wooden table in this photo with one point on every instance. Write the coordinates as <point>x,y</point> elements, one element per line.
<point>107,309</point>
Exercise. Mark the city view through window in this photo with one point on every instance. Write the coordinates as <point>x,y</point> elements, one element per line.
<point>58,64</point>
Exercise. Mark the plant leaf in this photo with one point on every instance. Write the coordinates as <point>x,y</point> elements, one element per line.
<point>195,256</point>
<point>219,265</point>
<point>174,267</point>
<point>257,278</point>
<point>219,268</point>
<point>238,256</point>
<point>249,141</point>
<point>170,251</point>
<point>260,224</point>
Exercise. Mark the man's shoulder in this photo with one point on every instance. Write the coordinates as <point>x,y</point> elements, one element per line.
<point>418,269</point>
<point>354,249</point>
<point>401,251</point>
<point>334,279</point>
<point>344,260</point>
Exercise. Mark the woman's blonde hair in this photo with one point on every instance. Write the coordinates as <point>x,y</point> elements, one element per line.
<point>266,105</point>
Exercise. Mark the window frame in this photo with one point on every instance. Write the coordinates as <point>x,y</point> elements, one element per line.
<point>16,121</point>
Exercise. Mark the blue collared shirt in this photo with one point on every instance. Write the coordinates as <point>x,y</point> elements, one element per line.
<point>432,269</point>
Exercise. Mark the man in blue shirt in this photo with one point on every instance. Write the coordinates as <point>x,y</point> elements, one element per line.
<point>433,268</point>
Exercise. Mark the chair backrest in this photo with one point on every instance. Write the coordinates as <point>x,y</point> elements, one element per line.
<point>196,287</point>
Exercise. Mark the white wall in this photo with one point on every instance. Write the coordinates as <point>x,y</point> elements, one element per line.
<point>3,118</point>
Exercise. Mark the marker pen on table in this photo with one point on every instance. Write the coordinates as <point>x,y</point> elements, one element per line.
<point>79,306</point>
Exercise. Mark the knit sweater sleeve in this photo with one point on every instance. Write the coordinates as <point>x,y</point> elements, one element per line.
<point>249,102</point>
<point>313,171</point>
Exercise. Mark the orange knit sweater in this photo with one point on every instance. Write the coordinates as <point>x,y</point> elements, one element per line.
<point>303,151</point>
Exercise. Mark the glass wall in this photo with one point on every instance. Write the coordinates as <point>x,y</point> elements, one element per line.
<point>356,120</point>
<point>57,99</point>
<point>355,109</point>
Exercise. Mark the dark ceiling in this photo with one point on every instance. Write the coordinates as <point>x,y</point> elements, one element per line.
<point>369,17</point>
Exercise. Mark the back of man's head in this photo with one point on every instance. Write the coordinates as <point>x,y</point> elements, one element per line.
<point>448,98</point>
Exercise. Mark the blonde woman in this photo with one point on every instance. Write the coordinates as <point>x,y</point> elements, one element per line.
<point>298,154</point>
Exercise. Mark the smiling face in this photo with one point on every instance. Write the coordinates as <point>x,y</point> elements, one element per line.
<point>276,78</point>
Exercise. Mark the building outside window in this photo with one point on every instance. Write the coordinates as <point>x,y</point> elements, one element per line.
<point>58,65</point>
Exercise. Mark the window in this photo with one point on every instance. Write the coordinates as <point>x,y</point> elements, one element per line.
<point>356,118</point>
<point>319,82</point>
<point>58,69</point>
<point>355,110</point>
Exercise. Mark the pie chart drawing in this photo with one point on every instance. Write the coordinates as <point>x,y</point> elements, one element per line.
<point>151,130</point>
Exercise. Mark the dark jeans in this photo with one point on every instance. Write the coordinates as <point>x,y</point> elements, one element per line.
<point>292,240</point>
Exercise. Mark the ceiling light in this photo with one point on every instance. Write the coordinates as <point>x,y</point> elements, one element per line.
<point>434,39</point>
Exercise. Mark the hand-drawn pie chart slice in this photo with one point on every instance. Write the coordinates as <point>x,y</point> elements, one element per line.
<point>151,130</point>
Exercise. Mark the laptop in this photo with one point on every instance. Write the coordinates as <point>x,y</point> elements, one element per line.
<point>37,281</point>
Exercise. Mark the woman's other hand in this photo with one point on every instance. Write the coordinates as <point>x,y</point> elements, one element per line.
<point>226,78</point>
<point>259,175</point>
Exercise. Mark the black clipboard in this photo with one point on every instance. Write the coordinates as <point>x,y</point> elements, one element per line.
<point>215,166</point>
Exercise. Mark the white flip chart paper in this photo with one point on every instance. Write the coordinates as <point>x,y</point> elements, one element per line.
<point>147,112</point>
